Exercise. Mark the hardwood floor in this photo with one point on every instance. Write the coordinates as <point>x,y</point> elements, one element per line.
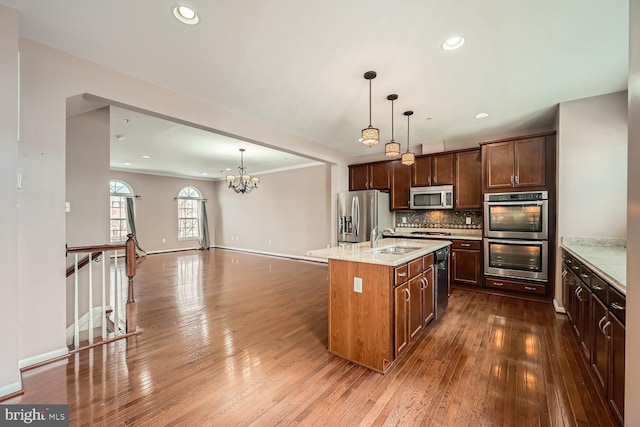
<point>238,339</point>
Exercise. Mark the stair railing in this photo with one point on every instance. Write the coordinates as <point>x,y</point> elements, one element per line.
<point>124,320</point>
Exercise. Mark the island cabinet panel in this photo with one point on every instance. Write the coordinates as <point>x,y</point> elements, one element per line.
<point>361,323</point>
<point>401,318</point>
<point>428,296</point>
<point>415,305</point>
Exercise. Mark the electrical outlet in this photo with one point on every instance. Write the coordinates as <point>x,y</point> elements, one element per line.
<point>404,219</point>
<point>357,284</point>
<point>468,220</point>
<point>164,240</point>
<point>269,241</point>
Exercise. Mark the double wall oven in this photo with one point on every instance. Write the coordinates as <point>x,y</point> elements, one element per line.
<point>516,235</point>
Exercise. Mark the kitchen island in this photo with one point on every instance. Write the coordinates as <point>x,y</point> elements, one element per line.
<point>380,299</point>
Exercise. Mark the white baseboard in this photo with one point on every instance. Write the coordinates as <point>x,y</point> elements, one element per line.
<point>6,390</point>
<point>42,357</point>
<point>276,254</point>
<point>557,307</point>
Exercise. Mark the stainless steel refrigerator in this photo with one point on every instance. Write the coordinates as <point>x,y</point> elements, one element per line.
<point>359,212</point>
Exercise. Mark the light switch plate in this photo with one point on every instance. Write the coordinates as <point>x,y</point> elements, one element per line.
<point>357,284</point>
<point>468,220</point>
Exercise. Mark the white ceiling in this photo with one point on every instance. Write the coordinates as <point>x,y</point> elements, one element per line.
<point>299,65</point>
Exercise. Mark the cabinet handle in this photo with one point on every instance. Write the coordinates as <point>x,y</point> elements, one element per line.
<point>402,274</point>
<point>429,179</point>
<point>576,267</point>
<point>465,244</point>
<point>511,180</point>
<point>604,329</point>
<point>435,179</point>
<point>600,322</point>
<point>453,254</point>
<point>576,291</point>
<point>598,288</point>
<point>498,284</point>
<point>569,261</point>
<point>579,292</point>
<point>617,306</point>
<point>408,295</point>
<point>530,288</point>
<point>564,273</point>
<point>516,179</point>
<point>585,276</point>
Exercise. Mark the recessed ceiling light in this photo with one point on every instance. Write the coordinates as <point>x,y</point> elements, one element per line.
<point>453,43</point>
<point>227,169</point>
<point>186,15</point>
<point>125,120</point>
<point>429,118</point>
<point>127,164</point>
<point>481,115</point>
<point>146,157</point>
<point>204,174</point>
<point>119,137</point>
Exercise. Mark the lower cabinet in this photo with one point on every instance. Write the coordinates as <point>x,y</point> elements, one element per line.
<point>466,262</point>
<point>596,311</point>
<point>428,295</point>
<point>402,296</point>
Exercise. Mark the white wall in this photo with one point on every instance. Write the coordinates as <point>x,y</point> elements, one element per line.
<point>289,214</point>
<point>592,173</point>
<point>9,375</point>
<point>632,369</point>
<point>87,178</point>
<point>157,210</point>
<point>48,77</point>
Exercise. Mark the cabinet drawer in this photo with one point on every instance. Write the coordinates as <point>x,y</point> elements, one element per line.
<point>466,244</point>
<point>530,288</point>
<point>617,304</point>
<point>401,274</point>
<point>415,267</point>
<point>599,288</point>
<point>427,261</point>
<point>585,275</point>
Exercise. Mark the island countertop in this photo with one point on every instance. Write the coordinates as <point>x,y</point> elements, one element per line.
<point>364,253</point>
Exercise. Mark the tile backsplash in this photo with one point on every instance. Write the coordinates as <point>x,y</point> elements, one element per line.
<point>439,219</point>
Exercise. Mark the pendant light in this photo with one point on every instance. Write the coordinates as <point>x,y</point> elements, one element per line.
<point>392,148</point>
<point>370,135</point>
<point>408,158</point>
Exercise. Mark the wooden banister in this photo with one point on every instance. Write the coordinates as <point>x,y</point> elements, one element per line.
<point>84,261</point>
<point>131,272</point>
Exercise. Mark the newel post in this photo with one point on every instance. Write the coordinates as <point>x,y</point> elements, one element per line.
<point>130,257</point>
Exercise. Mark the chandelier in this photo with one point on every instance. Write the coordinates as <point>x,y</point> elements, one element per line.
<point>244,183</point>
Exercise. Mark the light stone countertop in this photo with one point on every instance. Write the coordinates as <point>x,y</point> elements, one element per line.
<point>364,253</point>
<point>605,257</point>
<point>456,233</point>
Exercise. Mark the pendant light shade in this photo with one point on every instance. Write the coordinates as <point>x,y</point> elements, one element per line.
<point>370,135</point>
<point>408,158</point>
<point>392,148</point>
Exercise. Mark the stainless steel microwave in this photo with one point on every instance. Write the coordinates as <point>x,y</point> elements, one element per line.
<point>434,197</point>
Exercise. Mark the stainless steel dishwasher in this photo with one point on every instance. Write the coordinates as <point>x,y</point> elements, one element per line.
<point>442,281</point>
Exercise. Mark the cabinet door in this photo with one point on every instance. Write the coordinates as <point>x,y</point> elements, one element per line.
<point>442,169</point>
<point>499,164</point>
<point>401,317</point>
<point>529,162</point>
<point>616,332</point>
<point>421,171</point>
<point>400,185</point>
<point>466,266</point>
<point>428,306</point>
<point>600,346</point>
<point>379,176</point>
<point>468,178</point>
<point>586,336</point>
<point>415,305</point>
<point>358,177</point>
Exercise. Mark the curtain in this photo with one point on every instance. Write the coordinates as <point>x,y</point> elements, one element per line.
<point>131,224</point>
<point>203,226</point>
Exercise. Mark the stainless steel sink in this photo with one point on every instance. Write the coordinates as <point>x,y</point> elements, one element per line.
<point>396,250</point>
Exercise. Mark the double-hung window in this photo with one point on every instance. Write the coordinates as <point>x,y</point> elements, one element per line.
<point>188,214</point>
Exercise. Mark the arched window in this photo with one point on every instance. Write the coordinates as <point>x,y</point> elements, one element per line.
<point>119,191</point>
<point>188,199</point>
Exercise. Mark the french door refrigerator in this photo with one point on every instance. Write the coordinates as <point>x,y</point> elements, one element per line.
<point>359,212</point>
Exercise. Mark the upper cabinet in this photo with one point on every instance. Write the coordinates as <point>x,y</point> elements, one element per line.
<point>435,169</point>
<point>467,186</point>
<point>369,176</point>
<point>518,163</point>
<point>400,185</point>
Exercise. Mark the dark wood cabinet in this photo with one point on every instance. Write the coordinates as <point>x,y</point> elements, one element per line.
<point>596,311</point>
<point>428,289</point>
<point>400,185</point>
<point>514,164</point>
<point>401,317</point>
<point>467,185</point>
<point>466,262</point>
<point>433,169</point>
<point>369,176</point>
<point>415,305</point>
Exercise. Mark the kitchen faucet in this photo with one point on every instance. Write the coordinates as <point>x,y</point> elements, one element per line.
<point>375,237</point>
